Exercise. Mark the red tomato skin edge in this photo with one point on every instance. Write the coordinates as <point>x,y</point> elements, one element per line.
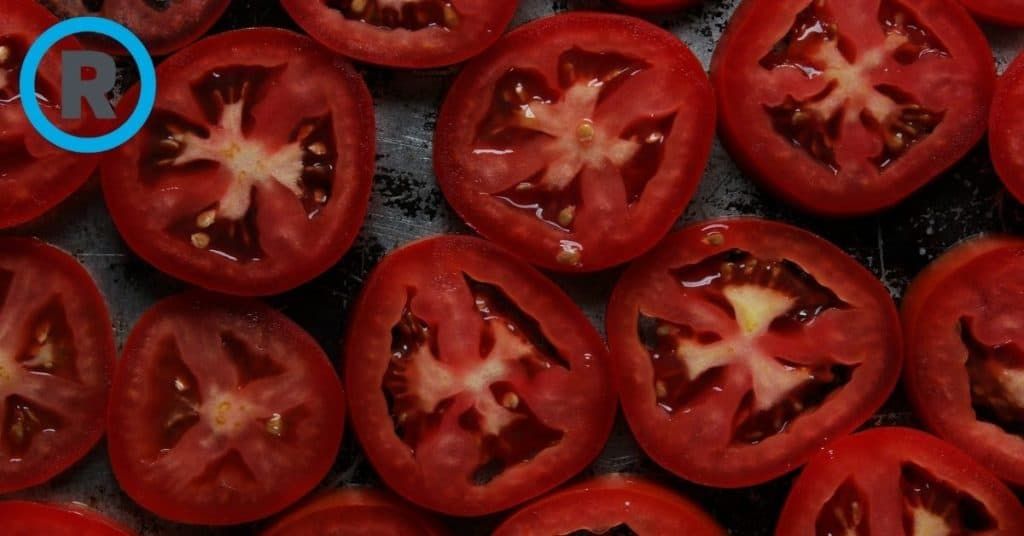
<point>90,292</point>
<point>995,14</point>
<point>999,138</point>
<point>657,6</point>
<point>48,510</point>
<point>346,497</point>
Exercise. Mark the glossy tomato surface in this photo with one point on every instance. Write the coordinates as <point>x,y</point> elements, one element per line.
<point>356,512</point>
<point>965,362</point>
<point>1007,12</point>
<point>22,518</point>
<point>162,26</point>
<point>475,383</point>
<point>612,504</point>
<point>1006,133</point>
<point>56,361</point>
<point>845,107</point>
<point>253,174</point>
<point>656,6</point>
<point>898,482</point>
<point>404,33</point>
<point>223,411</point>
<point>577,140</point>
<point>34,175</point>
<point>740,346</point>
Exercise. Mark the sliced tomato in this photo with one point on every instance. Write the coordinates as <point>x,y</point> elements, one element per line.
<point>356,512</point>
<point>846,107</point>
<point>477,383</point>
<point>1007,12</point>
<point>740,346</point>
<point>656,6</point>
<point>965,350</point>
<point>223,411</point>
<point>611,504</point>
<point>577,140</point>
<point>897,482</point>
<point>404,33</point>
<point>22,518</point>
<point>1006,135</point>
<point>56,361</point>
<point>253,174</point>
<point>162,25</point>
<point>34,175</point>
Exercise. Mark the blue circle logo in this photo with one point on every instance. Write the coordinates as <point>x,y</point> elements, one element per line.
<point>147,85</point>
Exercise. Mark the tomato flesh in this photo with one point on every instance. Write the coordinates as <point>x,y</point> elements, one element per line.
<point>480,384</point>
<point>897,481</point>
<point>741,345</point>
<point>356,512</point>
<point>1005,132</point>
<point>22,518</point>
<point>1006,12</point>
<point>56,360</point>
<point>656,6</point>
<point>223,411</point>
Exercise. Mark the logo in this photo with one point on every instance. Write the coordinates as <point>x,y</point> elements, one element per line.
<point>93,91</point>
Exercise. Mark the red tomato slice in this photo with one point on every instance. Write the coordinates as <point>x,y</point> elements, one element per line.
<point>56,360</point>
<point>612,504</point>
<point>356,512</point>
<point>404,33</point>
<point>1007,12</point>
<point>897,482</point>
<point>253,174</point>
<point>223,411</point>
<point>163,26</point>
<point>1006,135</point>
<point>657,6</point>
<point>22,518</point>
<point>965,350</point>
<point>34,175</point>
<point>740,346</point>
<point>846,107</point>
<point>577,140</point>
<point>478,384</point>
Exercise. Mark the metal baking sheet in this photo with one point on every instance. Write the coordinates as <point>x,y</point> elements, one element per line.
<point>407,204</point>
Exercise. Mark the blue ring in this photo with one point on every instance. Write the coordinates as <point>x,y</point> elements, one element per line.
<point>147,84</point>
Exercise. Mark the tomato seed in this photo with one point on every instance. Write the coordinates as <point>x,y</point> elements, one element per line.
<point>201,240</point>
<point>206,219</point>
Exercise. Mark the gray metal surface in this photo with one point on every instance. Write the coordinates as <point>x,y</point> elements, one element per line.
<point>407,204</point>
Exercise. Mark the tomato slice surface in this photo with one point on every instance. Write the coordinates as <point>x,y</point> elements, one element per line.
<point>23,518</point>
<point>611,504</point>
<point>222,411</point>
<point>253,174</point>
<point>34,175</point>
<point>656,6</point>
<point>577,140</point>
<point>1006,12</point>
<point>1005,132</point>
<point>965,351</point>
<point>56,361</point>
<point>476,383</point>
<point>162,26</point>
<point>404,33</point>
<point>356,512</point>
<point>897,482</point>
<point>740,346</point>
<point>845,107</point>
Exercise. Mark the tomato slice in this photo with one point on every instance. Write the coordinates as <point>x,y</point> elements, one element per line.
<point>1006,12</point>
<point>1005,131</point>
<point>356,512</point>
<point>163,26</point>
<point>253,174</point>
<point>846,107</point>
<point>34,175</point>
<point>965,351</point>
<point>223,411</point>
<point>611,504</point>
<point>404,33</point>
<point>56,360</point>
<point>577,140</point>
<point>656,6</point>
<point>23,518</point>
<point>896,482</point>
<point>478,384</point>
<point>740,346</point>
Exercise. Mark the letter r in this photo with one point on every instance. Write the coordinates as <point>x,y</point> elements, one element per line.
<point>93,91</point>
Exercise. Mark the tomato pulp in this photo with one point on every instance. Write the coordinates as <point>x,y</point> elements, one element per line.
<point>356,512</point>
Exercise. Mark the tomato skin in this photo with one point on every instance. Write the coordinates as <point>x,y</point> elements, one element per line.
<point>657,6</point>
<point>617,229</point>
<point>607,501</point>
<point>871,457</point>
<point>1004,130</point>
<point>355,511</point>
<point>578,402</point>
<point>683,441</point>
<point>43,266</point>
<point>1004,12</point>
<point>401,48</point>
<point>23,518</point>
<point>772,161</point>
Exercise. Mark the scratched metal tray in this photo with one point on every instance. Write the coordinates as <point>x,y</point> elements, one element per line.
<point>407,204</point>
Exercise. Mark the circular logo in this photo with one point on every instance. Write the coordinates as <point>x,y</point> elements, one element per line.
<point>147,85</point>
